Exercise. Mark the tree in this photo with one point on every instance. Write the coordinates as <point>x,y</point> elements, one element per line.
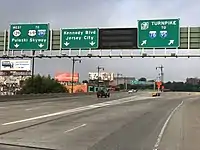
<point>143,79</point>
<point>84,81</point>
<point>41,84</point>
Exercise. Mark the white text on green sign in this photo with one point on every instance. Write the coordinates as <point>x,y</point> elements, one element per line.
<point>79,38</point>
<point>29,36</point>
<point>158,33</point>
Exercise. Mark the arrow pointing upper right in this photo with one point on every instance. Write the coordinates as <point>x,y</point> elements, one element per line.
<point>171,42</point>
<point>144,42</point>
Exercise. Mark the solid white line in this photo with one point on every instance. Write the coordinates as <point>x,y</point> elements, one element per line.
<point>164,127</point>
<point>79,109</point>
<point>75,128</point>
<point>3,107</point>
<point>33,108</point>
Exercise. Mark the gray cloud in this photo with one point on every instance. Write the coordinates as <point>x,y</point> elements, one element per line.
<point>106,13</point>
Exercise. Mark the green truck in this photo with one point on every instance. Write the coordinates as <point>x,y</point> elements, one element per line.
<point>103,92</point>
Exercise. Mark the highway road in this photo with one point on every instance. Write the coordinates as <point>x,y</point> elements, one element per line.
<point>123,122</point>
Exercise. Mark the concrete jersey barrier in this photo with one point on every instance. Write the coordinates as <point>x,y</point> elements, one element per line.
<point>4,98</point>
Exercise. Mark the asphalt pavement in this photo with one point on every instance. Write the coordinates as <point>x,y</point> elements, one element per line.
<point>122,122</point>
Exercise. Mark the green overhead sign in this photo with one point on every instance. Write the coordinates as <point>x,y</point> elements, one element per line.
<point>163,33</point>
<point>29,37</point>
<point>85,38</point>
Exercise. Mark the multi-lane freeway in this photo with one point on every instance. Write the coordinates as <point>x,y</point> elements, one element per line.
<point>122,122</point>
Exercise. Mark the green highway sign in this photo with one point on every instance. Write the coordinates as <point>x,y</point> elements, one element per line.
<point>158,33</point>
<point>85,38</point>
<point>29,37</point>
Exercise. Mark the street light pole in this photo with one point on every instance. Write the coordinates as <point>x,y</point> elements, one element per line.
<point>33,69</point>
<point>161,72</point>
<point>98,70</point>
<point>73,68</point>
<point>118,74</point>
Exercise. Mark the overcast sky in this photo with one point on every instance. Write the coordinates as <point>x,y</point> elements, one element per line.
<point>107,13</point>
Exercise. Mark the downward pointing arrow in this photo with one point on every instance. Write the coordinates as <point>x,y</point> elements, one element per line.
<point>66,43</point>
<point>40,45</point>
<point>171,42</point>
<point>16,45</point>
<point>92,43</point>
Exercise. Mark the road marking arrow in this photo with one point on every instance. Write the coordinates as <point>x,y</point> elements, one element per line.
<point>66,43</point>
<point>171,42</point>
<point>92,43</point>
<point>40,45</point>
<point>144,42</point>
<point>16,45</point>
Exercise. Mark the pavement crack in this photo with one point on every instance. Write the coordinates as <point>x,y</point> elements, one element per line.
<point>26,146</point>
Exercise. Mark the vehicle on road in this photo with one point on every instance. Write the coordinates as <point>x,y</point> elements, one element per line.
<point>103,93</point>
<point>155,94</point>
<point>132,91</point>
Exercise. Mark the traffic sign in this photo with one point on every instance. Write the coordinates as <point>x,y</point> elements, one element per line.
<point>29,37</point>
<point>84,38</point>
<point>118,38</point>
<point>158,33</point>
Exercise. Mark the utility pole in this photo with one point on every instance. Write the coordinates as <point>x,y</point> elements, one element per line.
<point>98,70</point>
<point>73,68</point>
<point>161,72</point>
<point>118,74</point>
<point>33,70</point>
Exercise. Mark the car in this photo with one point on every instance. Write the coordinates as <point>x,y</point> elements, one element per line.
<point>103,93</point>
<point>132,91</point>
<point>155,94</point>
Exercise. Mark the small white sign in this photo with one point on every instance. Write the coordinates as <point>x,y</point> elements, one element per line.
<point>15,65</point>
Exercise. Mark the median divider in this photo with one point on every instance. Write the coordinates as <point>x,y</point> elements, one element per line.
<point>21,97</point>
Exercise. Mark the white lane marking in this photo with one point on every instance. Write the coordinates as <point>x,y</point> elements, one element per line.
<point>164,127</point>
<point>33,108</point>
<point>3,107</point>
<point>46,103</point>
<point>79,109</point>
<point>75,128</point>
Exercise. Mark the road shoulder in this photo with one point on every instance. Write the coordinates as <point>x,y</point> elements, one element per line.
<point>183,130</point>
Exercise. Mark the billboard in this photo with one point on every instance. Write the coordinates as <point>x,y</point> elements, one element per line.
<point>104,76</point>
<point>15,73</point>
<point>66,77</point>
<point>15,65</point>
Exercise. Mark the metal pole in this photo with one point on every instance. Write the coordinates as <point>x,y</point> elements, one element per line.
<point>126,83</point>
<point>162,74</point>
<point>98,69</point>
<point>73,64</point>
<point>117,78</point>
<point>33,68</point>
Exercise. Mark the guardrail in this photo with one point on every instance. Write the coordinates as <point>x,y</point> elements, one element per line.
<point>4,98</point>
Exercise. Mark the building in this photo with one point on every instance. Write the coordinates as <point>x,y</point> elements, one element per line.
<point>122,80</point>
<point>193,81</point>
<point>65,78</point>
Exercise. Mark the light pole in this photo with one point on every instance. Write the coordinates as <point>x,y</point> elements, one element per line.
<point>33,70</point>
<point>118,74</point>
<point>161,72</point>
<point>98,70</point>
<point>73,67</point>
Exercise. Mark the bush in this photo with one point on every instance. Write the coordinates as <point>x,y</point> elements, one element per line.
<point>41,84</point>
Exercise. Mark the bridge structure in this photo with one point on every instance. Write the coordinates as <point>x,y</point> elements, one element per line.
<point>151,38</point>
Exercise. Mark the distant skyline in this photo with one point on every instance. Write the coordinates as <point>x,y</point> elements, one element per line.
<point>107,13</point>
